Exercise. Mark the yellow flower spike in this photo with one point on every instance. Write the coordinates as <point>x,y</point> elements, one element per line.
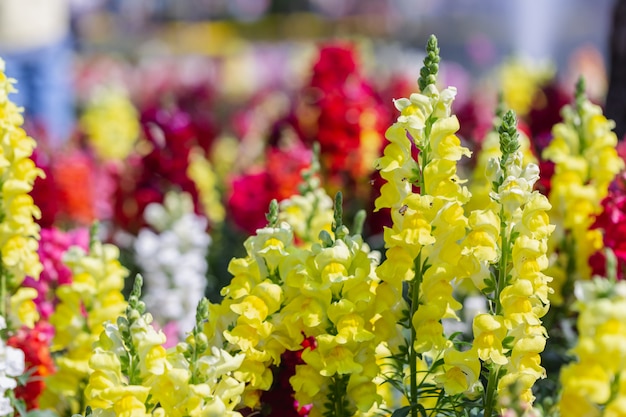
<point>111,124</point>
<point>520,81</point>
<point>586,162</point>
<point>85,305</point>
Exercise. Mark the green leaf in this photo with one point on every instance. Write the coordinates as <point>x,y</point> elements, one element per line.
<point>402,412</point>
<point>41,413</point>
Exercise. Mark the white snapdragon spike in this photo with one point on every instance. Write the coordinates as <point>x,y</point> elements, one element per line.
<point>172,259</point>
<point>12,365</point>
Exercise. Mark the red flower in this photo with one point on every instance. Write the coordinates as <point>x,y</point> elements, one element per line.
<point>35,345</point>
<point>341,111</point>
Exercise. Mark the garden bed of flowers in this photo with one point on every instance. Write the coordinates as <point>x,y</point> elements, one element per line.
<point>335,247</point>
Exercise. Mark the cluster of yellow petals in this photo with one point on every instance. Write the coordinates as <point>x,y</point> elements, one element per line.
<point>593,384</point>
<point>19,233</point>
<point>110,121</point>
<point>583,150</point>
<point>93,298</point>
<point>513,237</point>
<point>283,292</point>
<point>426,198</point>
<point>248,320</point>
<point>155,381</point>
<point>339,282</point>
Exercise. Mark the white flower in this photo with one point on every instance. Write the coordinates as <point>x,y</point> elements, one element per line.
<point>173,260</point>
<point>14,361</point>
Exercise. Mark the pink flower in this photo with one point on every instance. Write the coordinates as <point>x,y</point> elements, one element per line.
<point>52,246</point>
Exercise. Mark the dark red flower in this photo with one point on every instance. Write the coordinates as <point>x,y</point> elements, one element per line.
<point>612,221</point>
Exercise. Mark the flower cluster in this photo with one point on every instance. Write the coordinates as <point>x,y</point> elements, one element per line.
<point>319,296</point>
<point>93,296</point>
<point>312,323</point>
<point>134,375</point>
<point>586,162</point>
<point>110,123</point>
<point>593,384</point>
<point>18,231</point>
<point>426,198</point>
<point>173,261</point>
<point>343,114</point>
<point>511,236</point>
<point>169,136</point>
<point>53,245</point>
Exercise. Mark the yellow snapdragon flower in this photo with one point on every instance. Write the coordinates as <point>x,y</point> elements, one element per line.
<point>583,149</point>
<point>426,199</point>
<point>593,384</point>
<point>93,298</point>
<point>19,233</point>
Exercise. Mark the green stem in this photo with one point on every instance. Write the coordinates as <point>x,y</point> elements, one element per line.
<point>338,394</point>
<point>490,394</point>
<point>194,359</point>
<point>4,299</point>
<point>415,294</point>
<point>502,264</point>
